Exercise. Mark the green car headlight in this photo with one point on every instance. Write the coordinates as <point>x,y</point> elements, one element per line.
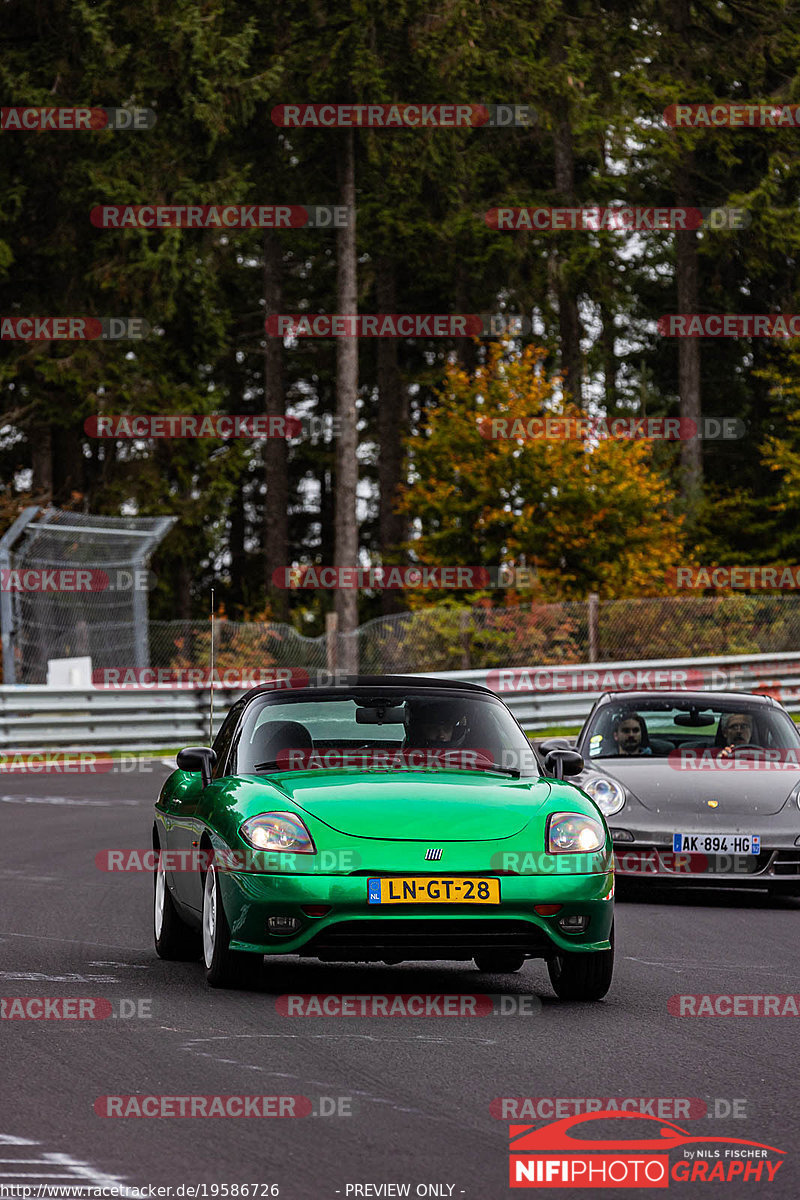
<point>573,833</point>
<point>608,795</point>
<point>278,831</point>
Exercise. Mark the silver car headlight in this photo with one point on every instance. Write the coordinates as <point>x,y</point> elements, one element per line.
<point>608,795</point>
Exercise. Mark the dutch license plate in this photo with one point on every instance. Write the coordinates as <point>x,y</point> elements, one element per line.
<point>716,843</point>
<point>436,890</point>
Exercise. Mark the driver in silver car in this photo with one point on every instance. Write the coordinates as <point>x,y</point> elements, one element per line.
<point>630,734</point>
<point>736,729</point>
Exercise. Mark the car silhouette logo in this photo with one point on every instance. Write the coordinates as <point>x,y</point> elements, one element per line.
<point>556,1136</point>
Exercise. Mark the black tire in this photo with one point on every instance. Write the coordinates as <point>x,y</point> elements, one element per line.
<point>174,939</point>
<point>586,976</point>
<point>225,968</point>
<point>499,962</point>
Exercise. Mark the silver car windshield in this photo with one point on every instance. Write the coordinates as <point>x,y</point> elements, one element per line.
<point>657,729</point>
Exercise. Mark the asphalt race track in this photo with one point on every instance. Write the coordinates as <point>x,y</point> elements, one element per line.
<point>409,1097</point>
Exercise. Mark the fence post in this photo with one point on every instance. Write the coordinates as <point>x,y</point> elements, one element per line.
<point>464,618</point>
<point>594,623</point>
<point>331,641</point>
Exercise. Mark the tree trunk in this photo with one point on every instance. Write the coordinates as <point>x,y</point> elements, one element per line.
<point>346,527</point>
<point>276,470</point>
<point>689,365</point>
<point>238,557</point>
<point>608,338</point>
<point>41,439</point>
<point>392,426</point>
<point>568,317</point>
<point>686,279</point>
<point>67,466</point>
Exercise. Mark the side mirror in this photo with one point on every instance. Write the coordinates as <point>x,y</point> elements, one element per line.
<point>197,758</point>
<point>556,743</point>
<point>561,761</point>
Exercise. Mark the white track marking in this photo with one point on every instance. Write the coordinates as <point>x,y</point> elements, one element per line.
<point>80,1174</point>
<point>42,977</point>
<point>43,937</point>
<point>93,1177</point>
<point>368,1097</point>
<point>66,801</point>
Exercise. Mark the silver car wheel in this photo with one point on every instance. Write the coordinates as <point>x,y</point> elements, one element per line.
<point>209,916</point>
<point>160,896</point>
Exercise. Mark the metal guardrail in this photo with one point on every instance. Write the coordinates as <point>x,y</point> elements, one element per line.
<point>541,697</point>
<point>37,717</point>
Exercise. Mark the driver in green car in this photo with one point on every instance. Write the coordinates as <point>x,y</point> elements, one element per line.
<point>436,726</point>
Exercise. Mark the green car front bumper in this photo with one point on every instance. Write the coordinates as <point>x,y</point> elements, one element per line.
<point>354,930</point>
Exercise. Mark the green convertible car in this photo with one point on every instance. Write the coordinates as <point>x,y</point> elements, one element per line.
<point>382,819</point>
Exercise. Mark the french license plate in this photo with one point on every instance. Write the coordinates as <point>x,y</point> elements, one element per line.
<point>716,843</point>
<point>433,890</point>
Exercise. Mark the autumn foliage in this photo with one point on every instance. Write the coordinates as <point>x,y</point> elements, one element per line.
<point>588,515</point>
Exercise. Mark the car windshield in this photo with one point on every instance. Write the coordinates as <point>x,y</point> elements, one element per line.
<point>651,729</point>
<point>386,729</point>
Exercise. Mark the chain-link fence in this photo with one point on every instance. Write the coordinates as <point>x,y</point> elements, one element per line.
<point>74,585</point>
<point>450,639</point>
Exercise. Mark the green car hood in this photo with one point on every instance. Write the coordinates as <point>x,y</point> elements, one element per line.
<point>441,806</point>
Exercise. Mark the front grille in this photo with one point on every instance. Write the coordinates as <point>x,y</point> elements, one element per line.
<point>753,863</point>
<point>717,864</point>
<point>408,938</point>
<point>787,862</point>
<point>490,873</point>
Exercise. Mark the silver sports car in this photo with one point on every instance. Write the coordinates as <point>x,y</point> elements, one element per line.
<point>696,787</point>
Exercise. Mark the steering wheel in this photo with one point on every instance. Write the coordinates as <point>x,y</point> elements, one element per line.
<point>747,746</point>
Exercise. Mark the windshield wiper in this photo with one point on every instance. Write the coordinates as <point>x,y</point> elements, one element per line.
<point>512,772</point>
